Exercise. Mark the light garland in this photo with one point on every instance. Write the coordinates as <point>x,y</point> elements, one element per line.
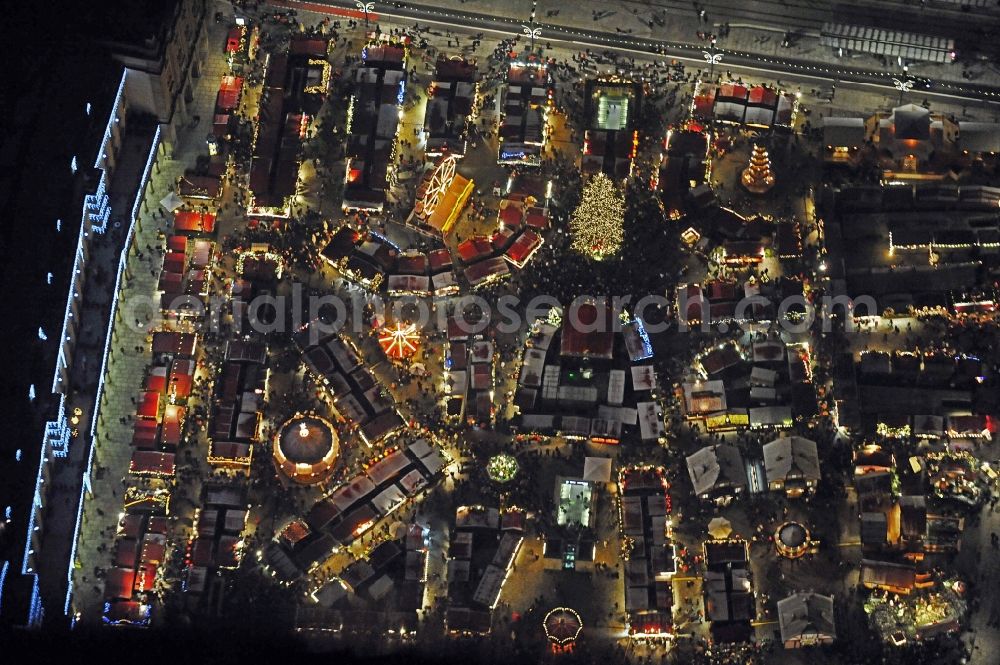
<point>597,223</point>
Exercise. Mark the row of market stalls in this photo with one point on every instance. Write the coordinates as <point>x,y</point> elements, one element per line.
<point>910,395</point>
<point>650,559</point>
<point>758,106</point>
<point>216,545</point>
<point>138,553</point>
<point>385,588</point>
<point>484,545</point>
<point>240,392</point>
<point>390,481</point>
<point>522,217</point>
<point>452,105</point>
<point>360,401</point>
<point>373,118</point>
<point>470,372</point>
<point>372,261</point>
<point>739,243</point>
<point>186,273</point>
<point>612,109</point>
<point>925,248</point>
<point>161,406</point>
<point>768,385</point>
<point>525,103</point>
<point>580,379</point>
<point>294,86</point>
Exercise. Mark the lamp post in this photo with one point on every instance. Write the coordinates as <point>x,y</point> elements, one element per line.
<point>530,30</point>
<point>712,58</point>
<point>366,7</point>
<point>903,85</point>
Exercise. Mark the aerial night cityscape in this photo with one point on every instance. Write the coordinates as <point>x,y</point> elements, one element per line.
<point>465,331</point>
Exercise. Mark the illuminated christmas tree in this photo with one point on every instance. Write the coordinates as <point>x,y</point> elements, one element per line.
<point>597,222</point>
<point>757,177</point>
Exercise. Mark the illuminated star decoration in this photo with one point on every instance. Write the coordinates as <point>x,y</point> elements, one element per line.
<point>399,341</point>
<point>597,222</point>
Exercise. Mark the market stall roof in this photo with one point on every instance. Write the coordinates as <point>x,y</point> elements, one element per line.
<point>483,271</point>
<point>440,260</point>
<point>148,404</point>
<point>586,336</point>
<point>523,248</point>
<point>175,343</point>
<point>844,132</point>
<point>119,583</point>
<point>148,462</point>
<point>196,222</point>
<point>475,249</point>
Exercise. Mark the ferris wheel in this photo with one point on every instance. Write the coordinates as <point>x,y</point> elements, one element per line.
<point>437,185</point>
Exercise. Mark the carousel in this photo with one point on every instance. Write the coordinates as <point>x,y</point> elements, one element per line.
<point>399,341</point>
<point>793,540</point>
<point>306,448</point>
<point>562,626</point>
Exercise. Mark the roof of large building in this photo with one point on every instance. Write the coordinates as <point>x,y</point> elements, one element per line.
<point>806,614</point>
<point>714,466</point>
<point>791,456</point>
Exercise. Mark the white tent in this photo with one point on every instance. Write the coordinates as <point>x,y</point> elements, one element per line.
<point>172,201</point>
<point>597,469</point>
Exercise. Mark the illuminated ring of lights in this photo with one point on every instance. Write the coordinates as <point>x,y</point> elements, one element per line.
<point>562,641</point>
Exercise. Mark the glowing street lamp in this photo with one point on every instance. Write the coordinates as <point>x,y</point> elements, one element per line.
<point>712,58</point>
<point>366,7</point>
<point>530,30</point>
<point>903,86</point>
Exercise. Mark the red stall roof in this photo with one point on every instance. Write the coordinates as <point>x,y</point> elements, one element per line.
<point>149,404</point>
<point>118,583</point>
<point>475,249</point>
<point>198,222</point>
<point>152,463</point>
<point>176,343</point>
<point>153,549</point>
<point>144,436</point>
<point>233,39</point>
<point>131,525</point>
<point>156,380</point>
<point>537,218</point>
<point>229,93</point>
<point>176,243</point>
<point>581,340</point>
<point>125,553</point>
<point>181,377</point>
<point>511,216</point>
<point>174,262</point>
<point>440,259</point>
<point>522,248</point>
<point>173,423</point>
<point>145,577</point>
<point>761,96</point>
